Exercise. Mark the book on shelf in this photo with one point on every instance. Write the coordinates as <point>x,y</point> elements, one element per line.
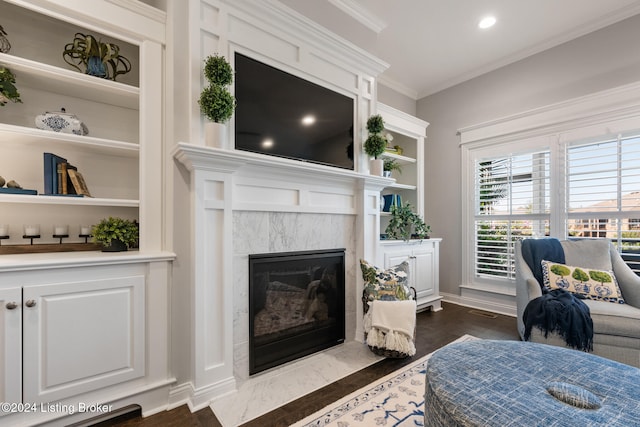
<point>58,178</point>
<point>78,182</point>
<point>17,191</point>
<point>51,162</point>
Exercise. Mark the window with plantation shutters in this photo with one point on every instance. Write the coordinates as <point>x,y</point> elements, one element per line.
<point>603,193</point>
<point>566,170</point>
<point>512,201</point>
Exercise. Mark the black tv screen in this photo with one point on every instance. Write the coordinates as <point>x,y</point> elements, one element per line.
<point>280,114</point>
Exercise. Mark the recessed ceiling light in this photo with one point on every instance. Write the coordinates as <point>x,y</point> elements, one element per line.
<point>308,120</point>
<point>487,22</point>
<point>267,143</point>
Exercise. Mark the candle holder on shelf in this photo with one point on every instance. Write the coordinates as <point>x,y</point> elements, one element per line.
<point>31,232</point>
<point>4,232</point>
<point>60,232</point>
<point>85,231</point>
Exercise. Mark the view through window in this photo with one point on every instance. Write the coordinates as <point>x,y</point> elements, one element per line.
<point>597,194</point>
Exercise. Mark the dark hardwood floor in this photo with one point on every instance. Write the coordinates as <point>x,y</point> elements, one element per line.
<point>434,330</point>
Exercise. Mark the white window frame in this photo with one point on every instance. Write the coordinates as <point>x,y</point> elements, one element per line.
<point>601,115</point>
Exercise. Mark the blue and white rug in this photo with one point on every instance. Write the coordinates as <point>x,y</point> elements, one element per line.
<point>394,400</point>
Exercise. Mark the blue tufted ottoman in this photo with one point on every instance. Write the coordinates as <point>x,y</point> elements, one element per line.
<point>512,383</point>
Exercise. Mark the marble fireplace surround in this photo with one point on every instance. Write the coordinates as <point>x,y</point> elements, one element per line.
<point>245,203</point>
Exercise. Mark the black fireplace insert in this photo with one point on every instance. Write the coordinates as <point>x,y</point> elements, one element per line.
<point>296,305</point>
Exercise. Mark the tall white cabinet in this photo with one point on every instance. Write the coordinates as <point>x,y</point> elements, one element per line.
<point>84,328</point>
<point>409,135</point>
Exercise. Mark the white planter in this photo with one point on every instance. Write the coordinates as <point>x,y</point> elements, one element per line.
<point>215,134</point>
<point>375,167</point>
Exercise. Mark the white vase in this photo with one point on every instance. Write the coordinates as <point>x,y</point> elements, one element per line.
<point>215,134</point>
<point>375,167</point>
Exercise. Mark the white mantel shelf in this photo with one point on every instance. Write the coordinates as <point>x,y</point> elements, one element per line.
<point>246,163</point>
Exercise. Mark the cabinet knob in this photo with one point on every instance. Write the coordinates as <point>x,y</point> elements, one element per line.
<point>11,305</point>
<point>412,257</point>
<point>30,303</point>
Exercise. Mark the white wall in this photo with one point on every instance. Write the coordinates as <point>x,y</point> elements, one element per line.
<point>604,59</point>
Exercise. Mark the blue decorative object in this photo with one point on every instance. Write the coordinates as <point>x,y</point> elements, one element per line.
<point>513,383</point>
<point>95,67</point>
<point>391,200</point>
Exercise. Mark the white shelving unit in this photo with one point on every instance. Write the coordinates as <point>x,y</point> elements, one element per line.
<point>110,308</point>
<point>110,157</point>
<point>409,134</point>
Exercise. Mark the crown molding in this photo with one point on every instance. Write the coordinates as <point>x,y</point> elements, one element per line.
<point>360,14</point>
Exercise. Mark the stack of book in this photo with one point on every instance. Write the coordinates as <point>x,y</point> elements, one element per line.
<point>61,178</point>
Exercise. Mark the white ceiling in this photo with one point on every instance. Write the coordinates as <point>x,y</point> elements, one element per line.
<point>434,44</point>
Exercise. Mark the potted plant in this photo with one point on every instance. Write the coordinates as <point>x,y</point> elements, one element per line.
<point>8,90</point>
<point>406,224</point>
<point>389,165</point>
<point>98,58</point>
<point>216,102</point>
<point>5,46</point>
<point>375,143</point>
<point>115,234</point>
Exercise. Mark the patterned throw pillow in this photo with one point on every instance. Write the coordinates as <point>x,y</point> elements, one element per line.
<point>391,284</point>
<point>597,285</point>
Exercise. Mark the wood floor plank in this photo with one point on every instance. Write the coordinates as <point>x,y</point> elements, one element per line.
<point>433,330</point>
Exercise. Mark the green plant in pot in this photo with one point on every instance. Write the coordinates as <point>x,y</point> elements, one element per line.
<point>389,165</point>
<point>115,234</point>
<point>375,143</point>
<point>216,102</point>
<point>8,90</point>
<point>405,224</point>
<point>98,58</point>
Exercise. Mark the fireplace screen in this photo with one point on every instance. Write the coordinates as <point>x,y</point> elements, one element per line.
<point>296,305</point>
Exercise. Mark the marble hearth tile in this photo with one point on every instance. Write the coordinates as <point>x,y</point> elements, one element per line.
<point>256,396</point>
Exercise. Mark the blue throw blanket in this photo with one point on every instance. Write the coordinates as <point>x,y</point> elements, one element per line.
<point>536,250</point>
<point>557,310</point>
<point>560,311</point>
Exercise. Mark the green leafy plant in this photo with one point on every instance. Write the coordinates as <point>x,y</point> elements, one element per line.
<point>216,102</point>
<point>391,165</point>
<point>404,224</point>
<point>375,124</point>
<point>114,228</point>
<point>218,71</point>
<point>99,59</point>
<point>8,90</point>
<point>375,143</point>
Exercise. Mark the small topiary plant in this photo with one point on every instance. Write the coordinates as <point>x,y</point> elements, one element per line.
<point>216,102</point>
<point>375,143</point>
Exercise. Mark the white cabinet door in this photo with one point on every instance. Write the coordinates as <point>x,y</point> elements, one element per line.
<point>423,268</point>
<point>423,272</point>
<point>11,345</point>
<point>82,336</point>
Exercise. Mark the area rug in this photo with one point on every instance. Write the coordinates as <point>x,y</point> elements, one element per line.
<point>394,400</point>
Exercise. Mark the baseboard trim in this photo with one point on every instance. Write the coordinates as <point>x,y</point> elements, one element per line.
<point>201,398</point>
<point>481,304</point>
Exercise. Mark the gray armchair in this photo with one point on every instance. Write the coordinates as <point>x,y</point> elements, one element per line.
<point>616,327</point>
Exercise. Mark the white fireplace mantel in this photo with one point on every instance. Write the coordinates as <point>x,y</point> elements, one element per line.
<point>226,181</point>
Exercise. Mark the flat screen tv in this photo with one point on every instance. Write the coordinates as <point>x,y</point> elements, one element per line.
<point>283,115</point>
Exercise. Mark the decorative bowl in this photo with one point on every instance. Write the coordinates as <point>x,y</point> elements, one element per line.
<point>61,121</point>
